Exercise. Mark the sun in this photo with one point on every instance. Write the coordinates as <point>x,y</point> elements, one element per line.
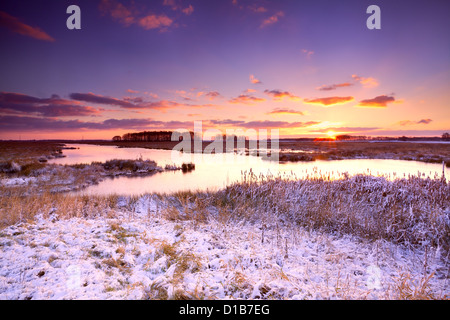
<point>331,134</point>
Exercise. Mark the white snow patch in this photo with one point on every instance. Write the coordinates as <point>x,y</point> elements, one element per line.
<point>91,259</point>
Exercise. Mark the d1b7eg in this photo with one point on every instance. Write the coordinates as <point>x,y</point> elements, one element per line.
<point>246,309</point>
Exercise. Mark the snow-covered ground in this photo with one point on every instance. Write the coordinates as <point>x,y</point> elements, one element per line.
<point>139,254</point>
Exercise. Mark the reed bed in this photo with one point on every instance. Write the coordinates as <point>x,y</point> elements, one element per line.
<point>277,217</point>
<point>411,210</point>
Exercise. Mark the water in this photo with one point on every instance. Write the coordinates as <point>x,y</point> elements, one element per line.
<point>215,171</point>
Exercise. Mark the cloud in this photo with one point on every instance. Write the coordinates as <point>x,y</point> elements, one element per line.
<point>152,95</point>
<point>129,16</point>
<point>22,124</point>
<point>212,95</point>
<point>16,123</point>
<point>176,5</point>
<point>118,12</point>
<point>246,99</point>
<point>278,94</point>
<point>265,124</point>
<point>254,80</point>
<point>308,53</point>
<point>409,123</point>
<point>424,121</point>
<point>377,102</point>
<point>17,26</point>
<point>29,124</point>
<point>334,86</point>
<point>227,122</point>
<point>132,91</point>
<point>153,21</point>
<point>128,102</point>
<point>366,82</point>
<point>20,104</point>
<point>95,98</point>
<point>193,95</point>
<point>280,111</point>
<point>257,9</point>
<point>272,19</point>
<point>188,11</point>
<point>347,129</point>
<point>329,101</point>
<point>278,124</point>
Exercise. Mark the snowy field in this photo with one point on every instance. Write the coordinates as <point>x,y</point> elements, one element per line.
<point>140,254</point>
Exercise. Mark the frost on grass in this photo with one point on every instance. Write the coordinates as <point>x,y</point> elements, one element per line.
<point>358,238</point>
<point>40,178</point>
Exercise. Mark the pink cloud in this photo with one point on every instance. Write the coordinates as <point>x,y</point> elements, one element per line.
<point>308,53</point>
<point>334,86</point>
<point>176,5</point>
<point>278,95</point>
<point>377,102</point>
<point>366,82</point>
<point>129,16</point>
<point>272,19</point>
<point>188,11</point>
<point>155,22</point>
<point>254,80</point>
<point>409,122</point>
<point>329,101</point>
<point>17,26</point>
<point>117,11</point>
<point>281,111</point>
<point>246,99</point>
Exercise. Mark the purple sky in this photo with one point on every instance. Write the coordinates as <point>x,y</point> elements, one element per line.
<point>307,68</point>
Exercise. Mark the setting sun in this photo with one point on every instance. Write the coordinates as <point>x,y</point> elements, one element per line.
<point>331,134</point>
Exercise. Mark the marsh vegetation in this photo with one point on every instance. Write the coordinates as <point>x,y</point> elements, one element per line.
<point>269,237</point>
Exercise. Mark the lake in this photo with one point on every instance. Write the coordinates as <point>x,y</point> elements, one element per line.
<point>216,171</point>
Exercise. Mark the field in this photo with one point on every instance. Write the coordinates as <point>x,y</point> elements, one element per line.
<point>359,237</point>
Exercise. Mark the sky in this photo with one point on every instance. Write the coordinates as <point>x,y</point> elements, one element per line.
<point>306,68</point>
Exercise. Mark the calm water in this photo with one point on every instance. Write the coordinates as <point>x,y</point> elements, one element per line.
<point>217,171</point>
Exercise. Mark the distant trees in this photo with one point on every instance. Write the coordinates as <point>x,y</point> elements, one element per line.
<point>446,136</point>
<point>147,136</point>
<point>349,137</point>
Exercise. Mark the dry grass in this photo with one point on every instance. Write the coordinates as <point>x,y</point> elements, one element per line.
<point>408,288</point>
<point>411,211</point>
<point>28,151</point>
<point>18,206</point>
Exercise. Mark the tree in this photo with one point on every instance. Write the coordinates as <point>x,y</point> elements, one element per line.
<point>446,136</point>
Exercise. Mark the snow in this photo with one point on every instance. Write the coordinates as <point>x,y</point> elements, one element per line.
<point>17,181</point>
<point>139,254</point>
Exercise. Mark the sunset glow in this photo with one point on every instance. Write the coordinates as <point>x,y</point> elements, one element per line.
<point>331,134</point>
<point>296,66</point>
